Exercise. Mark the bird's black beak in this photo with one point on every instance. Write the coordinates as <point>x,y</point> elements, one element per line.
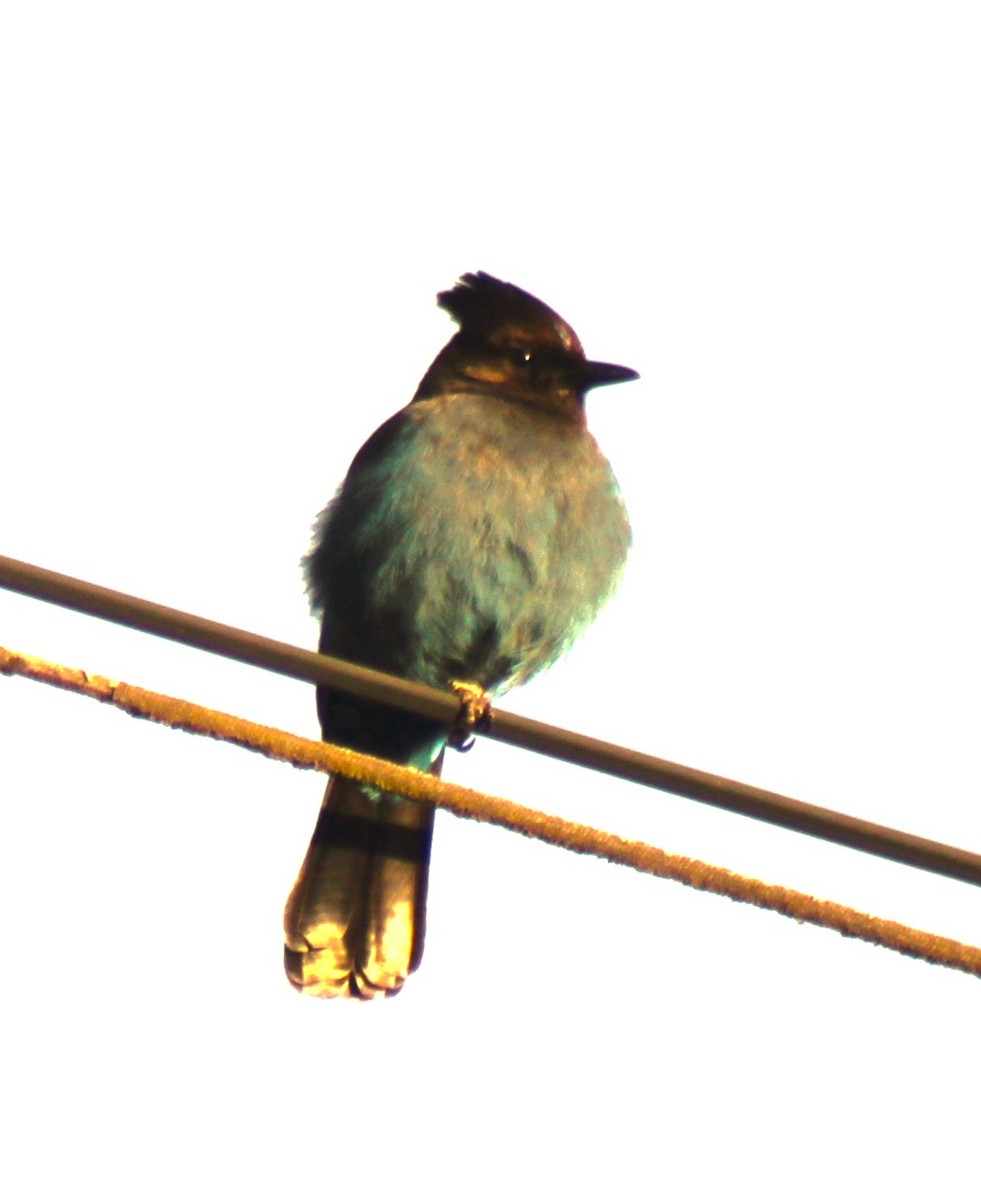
<point>596,374</point>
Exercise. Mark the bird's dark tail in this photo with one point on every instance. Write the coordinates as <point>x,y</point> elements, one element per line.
<point>356,918</point>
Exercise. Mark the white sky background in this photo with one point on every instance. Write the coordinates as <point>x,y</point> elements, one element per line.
<point>223,230</point>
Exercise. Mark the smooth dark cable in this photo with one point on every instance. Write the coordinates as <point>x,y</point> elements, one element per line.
<point>506,727</point>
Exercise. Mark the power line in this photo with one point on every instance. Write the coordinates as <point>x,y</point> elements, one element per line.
<point>464,802</point>
<point>507,727</point>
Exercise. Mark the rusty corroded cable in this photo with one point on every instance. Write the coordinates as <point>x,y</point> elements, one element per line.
<point>274,743</point>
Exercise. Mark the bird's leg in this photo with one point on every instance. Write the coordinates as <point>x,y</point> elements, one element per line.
<point>474,715</point>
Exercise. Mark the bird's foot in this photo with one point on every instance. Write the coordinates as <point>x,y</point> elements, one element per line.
<point>474,716</point>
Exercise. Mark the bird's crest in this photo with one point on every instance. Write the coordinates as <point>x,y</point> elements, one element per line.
<point>483,305</point>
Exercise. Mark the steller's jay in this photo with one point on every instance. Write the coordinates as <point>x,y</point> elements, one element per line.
<point>477,533</point>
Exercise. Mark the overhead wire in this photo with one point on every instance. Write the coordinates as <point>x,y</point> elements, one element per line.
<point>464,802</point>
<point>576,748</point>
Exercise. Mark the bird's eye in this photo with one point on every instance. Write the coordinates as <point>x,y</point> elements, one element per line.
<point>520,358</point>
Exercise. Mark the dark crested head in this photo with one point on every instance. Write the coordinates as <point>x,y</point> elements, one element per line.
<point>486,307</point>
<point>511,344</point>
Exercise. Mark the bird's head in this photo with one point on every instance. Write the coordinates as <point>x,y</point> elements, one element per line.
<point>511,344</point>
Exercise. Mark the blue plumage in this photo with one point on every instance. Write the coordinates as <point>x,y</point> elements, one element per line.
<point>477,533</point>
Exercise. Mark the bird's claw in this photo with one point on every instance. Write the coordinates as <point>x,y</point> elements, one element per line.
<point>474,716</point>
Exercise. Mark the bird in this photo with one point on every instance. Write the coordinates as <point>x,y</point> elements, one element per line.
<point>477,533</point>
